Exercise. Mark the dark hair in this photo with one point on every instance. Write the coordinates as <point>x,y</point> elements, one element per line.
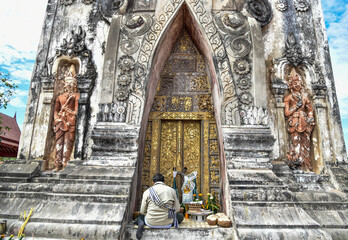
<point>158,178</point>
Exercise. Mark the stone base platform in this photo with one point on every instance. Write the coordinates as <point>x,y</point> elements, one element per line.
<point>79,202</point>
<point>188,230</point>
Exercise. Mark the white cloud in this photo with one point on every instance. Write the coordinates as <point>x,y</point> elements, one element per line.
<point>22,22</point>
<point>24,74</point>
<point>9,55</point>
<point>20,92</point>
<point>338,40</point>
<point>17,102</point>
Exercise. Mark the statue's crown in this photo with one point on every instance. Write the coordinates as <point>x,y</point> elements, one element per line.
<point>293,76</point>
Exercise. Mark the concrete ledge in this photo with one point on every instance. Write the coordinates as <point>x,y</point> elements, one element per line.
<point>284,234</point>
<point>19,170</point>
<point>187,234</point>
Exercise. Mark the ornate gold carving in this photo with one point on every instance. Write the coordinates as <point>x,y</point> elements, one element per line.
<point>148,131</point>
<point>185,46</point>
<point>192,148</point>
<point>213,132</point>
<point>167,70</point>
<point>213,147</point>
<point>159,103</point>
<point>175,103</point>
<point>214,177</point>
<point>182,115</point>
<point>178,164</point>
<point>168,153</point>
<point>204,103</point>
<point>199,83</point>
<point>145,179</point>
<point>206,157</point>
<point>215,163</point>
<point>201,65</point>
<point>188,104</point>
<point>155,146</point>
<point>148,148</point>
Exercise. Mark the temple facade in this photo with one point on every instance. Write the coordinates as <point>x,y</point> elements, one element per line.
<point>241,91</point>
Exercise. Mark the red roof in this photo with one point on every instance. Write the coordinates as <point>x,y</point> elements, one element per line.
<point>9,139</point>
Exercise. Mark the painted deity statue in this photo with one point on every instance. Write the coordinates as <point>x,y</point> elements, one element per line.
<point>65,119</point>
<point>188,187</point>
<point>299,111</point>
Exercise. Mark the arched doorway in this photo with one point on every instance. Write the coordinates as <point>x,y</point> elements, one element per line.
<point>181,130</point>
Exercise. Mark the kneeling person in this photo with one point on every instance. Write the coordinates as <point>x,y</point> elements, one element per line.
<point>160,207</point>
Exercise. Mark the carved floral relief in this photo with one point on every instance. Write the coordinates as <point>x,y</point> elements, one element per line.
<point>282,5</point>
<point>301,5</point>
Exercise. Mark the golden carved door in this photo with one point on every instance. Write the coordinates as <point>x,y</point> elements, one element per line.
<point>180,147</point>
<point>181,129</point>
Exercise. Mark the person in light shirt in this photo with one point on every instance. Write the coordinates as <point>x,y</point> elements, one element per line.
<point>159,207</point>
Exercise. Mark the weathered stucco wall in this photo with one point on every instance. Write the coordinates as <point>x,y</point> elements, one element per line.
<point>250,47</point>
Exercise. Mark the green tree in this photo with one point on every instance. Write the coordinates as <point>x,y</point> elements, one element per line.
<point>7,89</point>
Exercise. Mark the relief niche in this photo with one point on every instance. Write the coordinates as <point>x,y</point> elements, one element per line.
<point>64,112</point>
<point>300,123</point>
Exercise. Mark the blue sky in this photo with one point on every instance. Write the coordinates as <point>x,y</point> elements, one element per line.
<point>21,22</point>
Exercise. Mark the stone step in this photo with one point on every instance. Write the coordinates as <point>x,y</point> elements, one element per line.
<point>341,173</point>
<point>66,197</point>
<point>67,230</point>
<point>258,186</point>
<point>13,179</point>
<point>181,233</point>
<point>248,163</point>
<point>69,212</point>
<point>102,173</point>
<point>303,204</point>
<point>111,162</point>
<point>253,177</point>
<point>19,170</point>
<point>314,196</point>
<point>261,194</point>
<point>330,218</point>
<point>66,188</point>
<point>283,233</point>
<point>272,217</point>
<point>80,181</point>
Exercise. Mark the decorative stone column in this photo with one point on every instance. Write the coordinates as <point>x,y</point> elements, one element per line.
<point>323,142</point>
<point>85,84</point>
<point>279,88</point>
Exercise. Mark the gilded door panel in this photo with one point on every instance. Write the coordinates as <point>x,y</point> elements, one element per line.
<point>192,148</point>
<point>169,150</point>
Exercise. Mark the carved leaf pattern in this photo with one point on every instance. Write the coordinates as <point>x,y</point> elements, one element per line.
<point>168,149</point>
<point>192,147</point>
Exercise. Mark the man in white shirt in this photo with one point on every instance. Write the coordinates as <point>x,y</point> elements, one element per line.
<point>160,207</point>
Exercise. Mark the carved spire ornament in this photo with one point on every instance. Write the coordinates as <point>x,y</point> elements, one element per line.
<point>293,51</point>
<point>76,46</point>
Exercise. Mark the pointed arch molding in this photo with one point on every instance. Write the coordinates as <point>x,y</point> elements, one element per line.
<point>153,36</point>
